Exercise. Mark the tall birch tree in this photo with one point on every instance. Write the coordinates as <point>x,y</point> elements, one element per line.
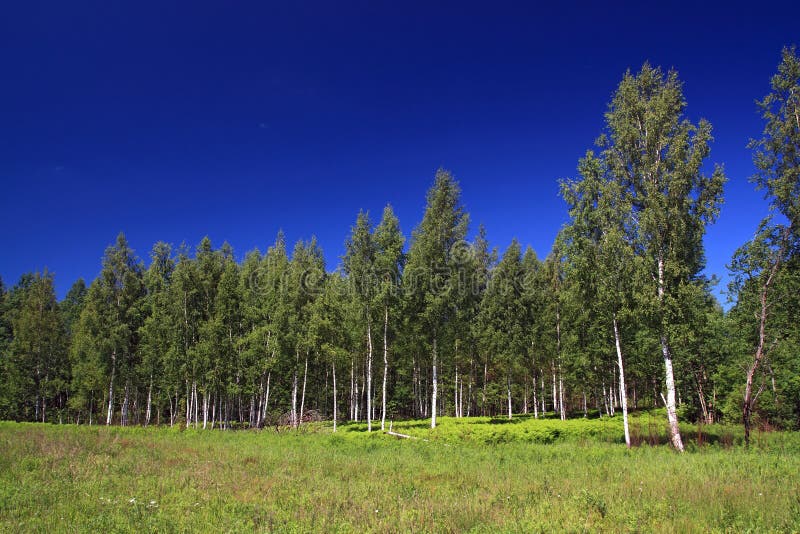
<point>359,264</point>
<point>432,273</point>
<point>389,259</point>
<point>658,155</point>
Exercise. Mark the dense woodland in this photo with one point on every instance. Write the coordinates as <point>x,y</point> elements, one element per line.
<point>617,317</point>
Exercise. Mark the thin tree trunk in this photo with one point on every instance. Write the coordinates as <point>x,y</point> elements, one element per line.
<point>356,401</point>
<point>352,389</point>
<point>700,378</point>
<point>455,393</point>
<point>525,397</point>
<point>205,409</point>
<point>585,409</point>
<point>508,388</point>
<point>461,398</point>
<point>293,415</point>
<point>623,397</point>
<point>149,402</point>
<point>485,379</point>
<point>333,366</point>
<point>561,407</point>
<point>669,376</point>
<point>125,401</point>
<point>188,404</point>
<point>111,388</point>
<point>195,404</point>
<point>303,397</point>
<point>435,385</point>
<point>266,398</point>
<point>369,371</point>
<point>469,383</point>
<point>260,408</point>
<point>541,380</point>
<point>385,364</point>
<point>749,400</point>
<point>560,374</point>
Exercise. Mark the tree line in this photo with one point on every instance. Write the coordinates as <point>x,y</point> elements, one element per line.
<point>617,316</point>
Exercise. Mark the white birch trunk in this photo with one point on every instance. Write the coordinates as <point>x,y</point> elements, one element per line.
<point>205,409</point>
<point>125,400</point>
<point>266,398</point>
<point>563,411</point>
<point>188,404</point>
<point>508,388</point>
<point>111,388</point>
<point>385,364</point>
<point>149,402</point>
<point>195,403</point>
<point>369,372</point>
<point>623,396</point>
<point>352,389</point>
<point>455,394</point>
<point>293,415</point>
<point>669,377</point>
<point>335,414</point>
<point>303,396</point>
<point>435,386</point>
<point>357,402</point>
<point>541,381</point>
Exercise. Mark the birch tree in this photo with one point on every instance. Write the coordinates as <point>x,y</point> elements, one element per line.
<point>359,264</point>
<point>658,156</point>
<point>760,265</point>
<point>38,351</point>
<point>432,273</point>
<point>601,254</point>
<point>389,260</point>
<point>109,325</point>
<point>157,329</point>
<point>327,333</point>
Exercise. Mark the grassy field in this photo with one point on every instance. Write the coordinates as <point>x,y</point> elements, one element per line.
<point>476,475</point>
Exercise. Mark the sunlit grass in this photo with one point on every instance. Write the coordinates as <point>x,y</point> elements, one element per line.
<point>67,479</point>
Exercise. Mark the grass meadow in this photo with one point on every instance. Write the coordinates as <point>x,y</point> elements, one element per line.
<point>467,475</point>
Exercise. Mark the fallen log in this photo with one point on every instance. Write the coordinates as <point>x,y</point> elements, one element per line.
<point>399,435</point>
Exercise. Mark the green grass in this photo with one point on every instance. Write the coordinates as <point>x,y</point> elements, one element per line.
<point>479,475</point>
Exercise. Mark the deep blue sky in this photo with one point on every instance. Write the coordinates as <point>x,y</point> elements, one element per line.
<point>229,119</point>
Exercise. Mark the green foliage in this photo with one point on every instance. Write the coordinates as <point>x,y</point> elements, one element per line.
<point>777,153</point>
<point>35,371</point>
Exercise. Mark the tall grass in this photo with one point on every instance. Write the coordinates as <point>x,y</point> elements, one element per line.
<point>465,476</point>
